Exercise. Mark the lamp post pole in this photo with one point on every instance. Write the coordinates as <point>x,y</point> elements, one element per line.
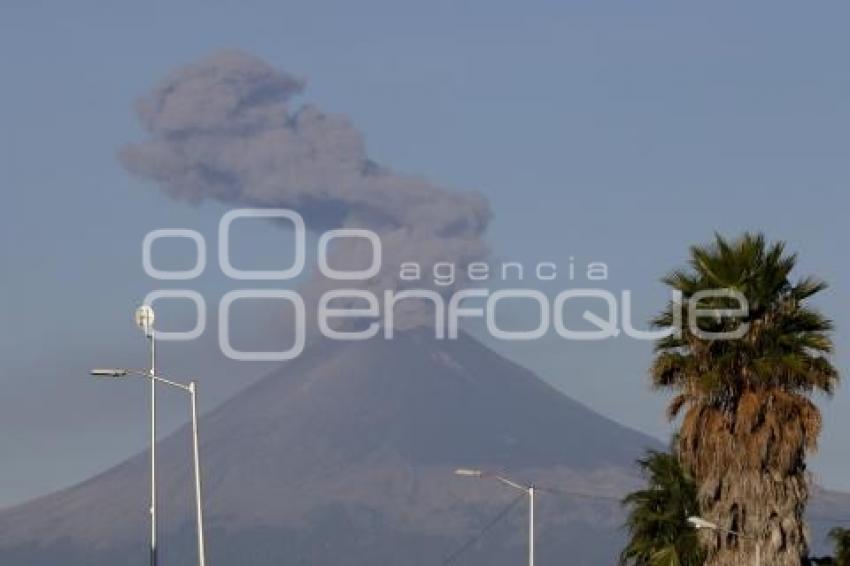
<point>144,317</point>
<point>531,526</point>
<point>199,506</point>
<point>152,339</point>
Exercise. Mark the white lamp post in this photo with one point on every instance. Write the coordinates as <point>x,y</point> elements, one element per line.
<point>144,317</point>
<point>529,489</point>
<point>192,389</point>
<point>699,523</point>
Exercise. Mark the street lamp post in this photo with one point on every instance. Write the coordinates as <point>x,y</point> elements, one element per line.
<point>700,523</point>
<point>192,389</point>
<point>196,462</point>
<point>144,319</point>
<point>528,489</point>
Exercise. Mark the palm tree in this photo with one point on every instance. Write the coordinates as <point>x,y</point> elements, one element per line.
<point>748,421</point>
<point>659,534</point>
<point>841,538</point>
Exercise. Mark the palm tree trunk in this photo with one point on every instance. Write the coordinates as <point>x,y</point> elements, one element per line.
<point>762,509</point>
<point>754,484</point>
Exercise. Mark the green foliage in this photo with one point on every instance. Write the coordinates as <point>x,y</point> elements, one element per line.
<point>659,533</point>
<point>786,342</point>
<point>841,538</point>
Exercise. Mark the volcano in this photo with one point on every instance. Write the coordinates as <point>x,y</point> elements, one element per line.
<point>345,457</point>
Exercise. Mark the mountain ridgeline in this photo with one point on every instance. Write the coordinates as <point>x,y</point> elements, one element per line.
<point>345,457</point>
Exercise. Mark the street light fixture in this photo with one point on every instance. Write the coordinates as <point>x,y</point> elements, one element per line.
<point>469,473</point>
<point>528,489</point>
<point>110,372</point>
<point>703,524</point>
<point>700,523</point>
<point>192,389</point>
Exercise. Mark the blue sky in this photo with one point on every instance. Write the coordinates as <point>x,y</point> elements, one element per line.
<point>609,131</point>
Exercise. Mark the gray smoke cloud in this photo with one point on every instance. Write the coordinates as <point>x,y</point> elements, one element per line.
<point>224,128</point>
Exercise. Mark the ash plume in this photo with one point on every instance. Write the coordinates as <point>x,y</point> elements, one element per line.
<point>225,128</point>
